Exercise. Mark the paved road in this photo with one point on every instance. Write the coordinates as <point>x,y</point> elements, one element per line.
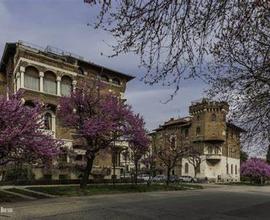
<point>226,202</point>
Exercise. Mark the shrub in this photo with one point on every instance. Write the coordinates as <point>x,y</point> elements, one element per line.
<point>19,174</point>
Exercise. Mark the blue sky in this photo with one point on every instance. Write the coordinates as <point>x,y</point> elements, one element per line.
<point>63,24</point>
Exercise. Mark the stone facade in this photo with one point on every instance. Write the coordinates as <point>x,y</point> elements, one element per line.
<point>46,75</point>
<point>207,131</point>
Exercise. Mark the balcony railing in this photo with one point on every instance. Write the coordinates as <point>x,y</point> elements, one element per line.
<point>213,156</point>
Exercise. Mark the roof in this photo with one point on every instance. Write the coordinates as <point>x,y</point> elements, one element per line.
<point>186,121</point>
<point>10,49</point>
<point>178,121</point>
<point>235,127</point>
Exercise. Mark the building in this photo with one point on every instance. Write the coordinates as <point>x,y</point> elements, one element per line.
<point>45,74</point>
<point>206,130</point>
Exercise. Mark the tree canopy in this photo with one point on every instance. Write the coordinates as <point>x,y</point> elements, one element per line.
<point>224,43</point>
<point>99,119</point>
<point>22,134</point>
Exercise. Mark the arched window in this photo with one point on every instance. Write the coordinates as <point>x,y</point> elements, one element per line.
<point>104,78</point>
<point>213,117</point>
<point>236,169</point>
<point>116,81</point>
<point>66,86</point>
<point>31,78</point>
<point>231,168</point>
<point>198,131</point>
<point>48,121</point>
<point>198,117</point>
<point>186,167</point>
<point>50,83</point>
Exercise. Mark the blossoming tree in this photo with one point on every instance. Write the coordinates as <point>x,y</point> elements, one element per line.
<point>99,119</point>
<point>138,141</point>
<point>256,170</point>
<point>22,138</point>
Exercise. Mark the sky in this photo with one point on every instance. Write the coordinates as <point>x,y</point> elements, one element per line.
<point>63,24</point>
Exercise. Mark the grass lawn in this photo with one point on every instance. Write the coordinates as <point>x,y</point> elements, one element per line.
<point>6,197</point>
<point>26,193</point>
<point>110,189</point>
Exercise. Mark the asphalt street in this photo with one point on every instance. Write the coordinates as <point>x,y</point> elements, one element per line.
<point>222,202</point>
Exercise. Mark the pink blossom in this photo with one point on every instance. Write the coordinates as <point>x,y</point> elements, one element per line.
<point>255,168</point>
<point>22,137</point>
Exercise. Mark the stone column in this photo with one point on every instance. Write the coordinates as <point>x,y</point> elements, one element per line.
<point>58,79</point>
<point>53,125</point>
<point>18,81</point>
<point>74,83</point>
<point>41,76</point>
<point>22,70</point>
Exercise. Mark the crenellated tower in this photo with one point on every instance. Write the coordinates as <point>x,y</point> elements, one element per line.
<point>208,120</point>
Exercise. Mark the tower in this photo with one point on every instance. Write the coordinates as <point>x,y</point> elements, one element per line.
<point>208,120</point>
<point>208,128</point>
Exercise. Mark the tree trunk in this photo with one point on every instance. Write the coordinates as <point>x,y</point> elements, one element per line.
<point>87,172</point>
<point>136,173</point>
<point>114,166</point>
<point>195,171</point>
<point>168,176</point>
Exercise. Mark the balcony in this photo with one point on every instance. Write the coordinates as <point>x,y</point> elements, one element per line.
<point>208,138</point>
<point>213,156</point>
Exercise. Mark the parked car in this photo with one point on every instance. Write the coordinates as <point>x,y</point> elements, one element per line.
<point>126,176</point>
<point>187,179</point>
<point>174,178</point>
<point>159,178</point>
<point>143,177</point>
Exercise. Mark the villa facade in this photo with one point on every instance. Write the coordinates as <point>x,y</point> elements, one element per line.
<point>206,130</point>
<point>46,74</point>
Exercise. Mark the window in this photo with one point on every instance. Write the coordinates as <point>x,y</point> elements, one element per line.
<point>80,70</point>
<point>29,103</point>
<point>185,132</point>
<point>198,168</point>
<point>116,81</point>
<point>173,142</point>
<point>198,131</point>
<point>213,117</point>
<point>227,168</point>
<point>231,169</point>
<point>31,78</point>
<point>217,150</point>
<point>186,167</point>
<point>104,78</point>
<point>210,149</point>
<point>198,118</point>
<point>50,83</point>
<point>48,121</point>
<point>66,86</point>
<point>79,157</point>
<point>236,169</point>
